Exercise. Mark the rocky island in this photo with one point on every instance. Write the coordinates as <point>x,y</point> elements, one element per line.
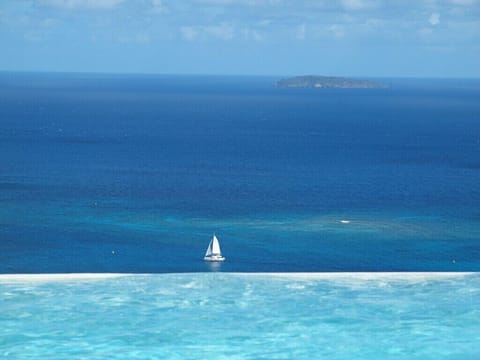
<point>329,82</point>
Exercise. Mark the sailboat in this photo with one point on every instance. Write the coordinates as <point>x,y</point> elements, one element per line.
<point>213,252</point>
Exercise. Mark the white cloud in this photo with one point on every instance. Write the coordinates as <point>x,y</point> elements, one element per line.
<point>158,7</point>
<point>188,33</point>
<point>82,4</point>
<point>359,4</point>
<point>253,34</point>
<point>223,31</point>
<point>301,31</point>
<point>237,2</point>
<point>264,22</point>
<point>434,19</point>
<point>133,39</point>
<point>463,2</point>
<point>337,30</point>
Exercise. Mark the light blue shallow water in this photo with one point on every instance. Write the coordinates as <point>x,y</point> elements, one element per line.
<point>240,316</point>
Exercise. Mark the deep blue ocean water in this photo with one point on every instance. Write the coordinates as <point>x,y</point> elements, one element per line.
<point>119,173</point>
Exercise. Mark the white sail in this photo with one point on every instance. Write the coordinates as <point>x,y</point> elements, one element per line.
<point>215,246</point>
<point>209,249</point>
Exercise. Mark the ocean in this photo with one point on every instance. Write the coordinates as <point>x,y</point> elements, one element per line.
<point>134,173</point>
<point>350,219</point>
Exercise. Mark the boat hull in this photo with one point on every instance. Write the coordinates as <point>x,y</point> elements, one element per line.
<point>214,258</point>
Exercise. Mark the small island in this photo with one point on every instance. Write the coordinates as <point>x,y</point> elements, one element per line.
<point>328,82</point>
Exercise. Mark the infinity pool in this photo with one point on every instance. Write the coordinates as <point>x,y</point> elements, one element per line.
<point>241,316</point>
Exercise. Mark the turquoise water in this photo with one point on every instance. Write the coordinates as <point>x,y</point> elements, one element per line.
<point>57,238</point>
<point>241,316</point>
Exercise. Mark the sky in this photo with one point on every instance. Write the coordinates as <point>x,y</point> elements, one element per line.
<point>375,38</point>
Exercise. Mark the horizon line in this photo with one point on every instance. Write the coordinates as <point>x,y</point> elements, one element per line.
<point>60,72</point>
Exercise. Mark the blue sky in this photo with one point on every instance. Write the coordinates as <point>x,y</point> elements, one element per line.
<point>408,38</point>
